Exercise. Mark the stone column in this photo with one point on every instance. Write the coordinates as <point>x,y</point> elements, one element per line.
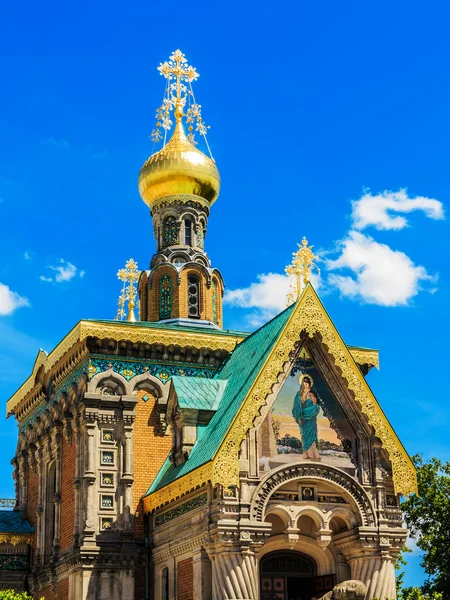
<point>234,574</point>
<point>127,478</point>
<point>57,452</point>
<point>377,574</point>
<point>89,481</point>
<point>202,570</point>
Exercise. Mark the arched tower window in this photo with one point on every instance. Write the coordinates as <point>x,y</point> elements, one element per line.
<point>214,302</point>
<point>170,233</point>
<point>165,297</point>
<point>193,296</point>
<point>188,232</point>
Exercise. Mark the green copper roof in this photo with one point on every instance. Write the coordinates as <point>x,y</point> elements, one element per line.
<point>240,369</point>
<point>10,522</point>
<point>198,393</point>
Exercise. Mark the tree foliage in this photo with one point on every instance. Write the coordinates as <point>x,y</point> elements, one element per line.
<point>12,595</point>
<point>427,516</point>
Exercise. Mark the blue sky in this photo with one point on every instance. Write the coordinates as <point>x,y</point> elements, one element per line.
<point>312,106</point>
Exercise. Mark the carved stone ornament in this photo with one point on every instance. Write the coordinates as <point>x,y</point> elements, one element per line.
<point>327,473</point>
<point>308,316</point>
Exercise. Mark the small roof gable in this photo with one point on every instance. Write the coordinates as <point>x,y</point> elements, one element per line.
<point>10,522</point>
<point>239,372</point>
<point>198,393</point>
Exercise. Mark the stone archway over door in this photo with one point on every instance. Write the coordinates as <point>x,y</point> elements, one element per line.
<point>288,575</point>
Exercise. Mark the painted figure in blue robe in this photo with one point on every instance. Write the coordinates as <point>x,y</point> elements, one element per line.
<point>305,411</point>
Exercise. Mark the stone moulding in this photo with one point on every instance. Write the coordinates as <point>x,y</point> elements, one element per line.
<point>310,317</point>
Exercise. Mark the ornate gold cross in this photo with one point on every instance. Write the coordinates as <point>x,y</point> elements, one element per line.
<point>300,268</point>
<point>129,275</point>
<point>177,67</point>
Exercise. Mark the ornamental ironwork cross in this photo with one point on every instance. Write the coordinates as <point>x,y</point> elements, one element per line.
<point>129,275</point>
<point>177,67</point>
<point>301,267</point>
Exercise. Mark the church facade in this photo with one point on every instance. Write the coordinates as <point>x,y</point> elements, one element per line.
<point>167,458</point>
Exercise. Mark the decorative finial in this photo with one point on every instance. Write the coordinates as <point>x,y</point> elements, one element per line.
<point>300,270</point>
<point>178,93</point>
<point>129,275</point>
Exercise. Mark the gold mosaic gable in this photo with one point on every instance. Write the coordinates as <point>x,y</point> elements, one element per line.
<point>310,317</point>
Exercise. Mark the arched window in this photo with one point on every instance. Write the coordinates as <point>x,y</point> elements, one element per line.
<point>193,296</point>
<point>170,233</point>
<point>214,302</point>
<point>188,232</point>
<point>50,508</point>
<point>165,584</point>
<point>165,297</point>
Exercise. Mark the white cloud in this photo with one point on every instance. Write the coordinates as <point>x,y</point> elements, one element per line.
<point>379,275</point>
<point>64,272</point>
<point>63,143</point>
<point>265,298</point>
<point>10,301</point>
<point>385,210</point>
<point>27,255</point>
<point>82,273</point>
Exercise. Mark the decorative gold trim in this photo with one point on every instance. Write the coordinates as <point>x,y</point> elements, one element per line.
<point>15,538</point>
<point>364,356</point>
<point>120,331</point>
<point>309,316</point>
<point>180,199</point>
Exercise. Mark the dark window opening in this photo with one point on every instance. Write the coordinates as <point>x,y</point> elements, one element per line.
<point>193,296</point>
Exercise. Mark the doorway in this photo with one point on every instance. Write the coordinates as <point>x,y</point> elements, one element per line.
<point>289,575</point>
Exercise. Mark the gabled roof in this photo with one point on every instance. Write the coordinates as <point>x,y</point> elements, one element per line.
<point>10,522</point>
<point>252,370</point>
<point>240,370</point>
<point>198,393</point>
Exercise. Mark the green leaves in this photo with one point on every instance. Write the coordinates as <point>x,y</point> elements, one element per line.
<point>427,516</point>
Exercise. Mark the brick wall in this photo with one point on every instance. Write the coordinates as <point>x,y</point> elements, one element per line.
<point>32,499</point>
<point>62,591</point>
<point>46,594</point>
<point>150,451</point>
<point>185,580</point>
<point>67,494</point>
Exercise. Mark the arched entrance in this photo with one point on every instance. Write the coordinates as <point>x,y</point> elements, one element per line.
<point>287,575</point>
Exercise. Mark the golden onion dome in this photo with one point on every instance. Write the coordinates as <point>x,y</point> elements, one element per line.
<point>179,169</point>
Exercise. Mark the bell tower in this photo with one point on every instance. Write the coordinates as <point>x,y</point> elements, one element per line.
<point>179,184</point>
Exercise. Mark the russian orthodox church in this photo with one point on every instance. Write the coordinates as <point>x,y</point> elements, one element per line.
<point>164,457</point>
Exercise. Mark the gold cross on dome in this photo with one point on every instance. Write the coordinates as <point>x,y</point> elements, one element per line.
<point>177,67</point>
<point>129,275</point>
<point>300,270</point>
